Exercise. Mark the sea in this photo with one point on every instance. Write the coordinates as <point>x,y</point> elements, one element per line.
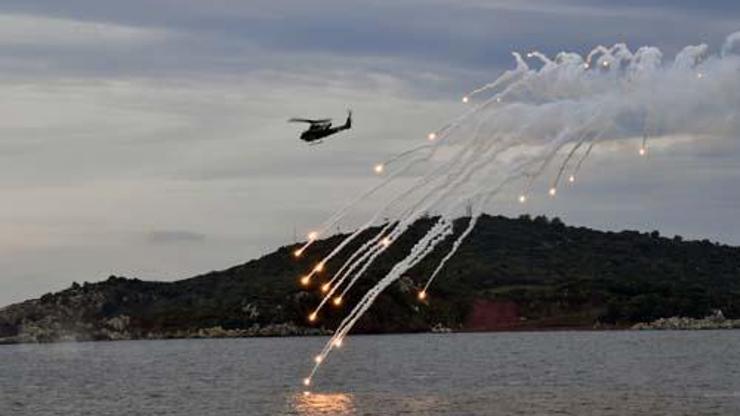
<point>502,373</point>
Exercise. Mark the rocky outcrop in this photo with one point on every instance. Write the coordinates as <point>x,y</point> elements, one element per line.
<point>438,328</point>
<point>716,320</point>
<point>274,330</point>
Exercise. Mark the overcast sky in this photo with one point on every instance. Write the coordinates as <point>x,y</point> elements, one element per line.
<point>147,138</point>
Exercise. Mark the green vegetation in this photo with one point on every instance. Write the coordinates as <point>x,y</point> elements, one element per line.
<point>557,276</point>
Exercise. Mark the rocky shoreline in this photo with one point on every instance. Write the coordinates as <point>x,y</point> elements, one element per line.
<point>38,335</point>
<point>716,320</point>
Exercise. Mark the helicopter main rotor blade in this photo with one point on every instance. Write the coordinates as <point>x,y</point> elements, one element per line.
<point>306,120</point>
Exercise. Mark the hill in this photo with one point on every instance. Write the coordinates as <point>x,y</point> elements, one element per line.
<point>510,274</point>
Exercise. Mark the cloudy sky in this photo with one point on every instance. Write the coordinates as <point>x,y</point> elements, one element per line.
<point>148,138</point>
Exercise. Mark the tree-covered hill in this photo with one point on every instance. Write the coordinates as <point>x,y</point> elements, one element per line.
<point>510,274</point>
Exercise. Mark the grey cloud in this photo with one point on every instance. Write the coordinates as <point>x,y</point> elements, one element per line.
<point>443,35</point>
<point>175,236</point>
<point>103,140</point>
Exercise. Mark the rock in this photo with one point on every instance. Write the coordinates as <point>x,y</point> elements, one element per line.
<point>406,285</point>
<point>118,323</point>
<point>251,311</point>
<point>440,329</point>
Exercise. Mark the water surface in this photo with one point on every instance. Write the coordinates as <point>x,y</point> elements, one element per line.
<point>538,373</point>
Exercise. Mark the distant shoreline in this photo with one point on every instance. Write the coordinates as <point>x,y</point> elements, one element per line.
<point>663,324</point>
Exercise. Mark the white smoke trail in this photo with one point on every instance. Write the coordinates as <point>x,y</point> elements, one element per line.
<point>434,236</point>
<point>507,78</point>
<point>414,213</point>
<point>513,137</point>
<point>369,251</point>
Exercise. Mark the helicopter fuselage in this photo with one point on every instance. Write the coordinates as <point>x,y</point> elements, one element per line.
<point>314,134</point>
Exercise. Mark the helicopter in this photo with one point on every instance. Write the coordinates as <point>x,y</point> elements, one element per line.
<point>319,129</point>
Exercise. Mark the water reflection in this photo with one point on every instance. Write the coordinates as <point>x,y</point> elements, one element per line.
<point>324,404</point>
